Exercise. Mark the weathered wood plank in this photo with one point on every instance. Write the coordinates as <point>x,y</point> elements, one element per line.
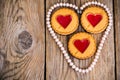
<point>117,36</point>
<point>57,67</point>
<point>22,23</point>
<point>22,40</point>
<point>1,24</point>
<point>106,63</point>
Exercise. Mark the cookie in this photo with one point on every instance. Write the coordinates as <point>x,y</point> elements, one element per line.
<point>94,19</point>
<point>82,45</point>
<point>64,21</point>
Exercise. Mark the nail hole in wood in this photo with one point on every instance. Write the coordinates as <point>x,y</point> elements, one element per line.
<point>25,40</point>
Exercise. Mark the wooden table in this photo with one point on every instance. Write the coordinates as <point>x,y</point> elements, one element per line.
<point>28,52</point>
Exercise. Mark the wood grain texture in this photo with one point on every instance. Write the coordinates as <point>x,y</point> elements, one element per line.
<point>22,46</point>
<point>28,52</point>
<point>117,36</point>
<point>57,67</point>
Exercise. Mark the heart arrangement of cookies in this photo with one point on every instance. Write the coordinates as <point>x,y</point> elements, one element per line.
<point>65,18</point>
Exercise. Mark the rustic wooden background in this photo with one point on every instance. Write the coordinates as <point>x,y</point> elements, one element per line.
<point>28,52</point>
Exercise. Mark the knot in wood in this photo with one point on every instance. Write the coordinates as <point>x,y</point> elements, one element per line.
<point>25,40</point>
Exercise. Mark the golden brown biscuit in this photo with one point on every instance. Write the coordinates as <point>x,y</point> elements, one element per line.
<point>94,19</point>
<point>64,21</point>
<point>82,45</point>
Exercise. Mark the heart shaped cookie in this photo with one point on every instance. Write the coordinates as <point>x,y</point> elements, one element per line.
<point>82,45</point>
<point>94,19</point>
<point>64,21</point>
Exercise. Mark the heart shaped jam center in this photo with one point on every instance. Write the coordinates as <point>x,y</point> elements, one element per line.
<point>64,21</point>
<point>94,19</point>
<point>81,45</point>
